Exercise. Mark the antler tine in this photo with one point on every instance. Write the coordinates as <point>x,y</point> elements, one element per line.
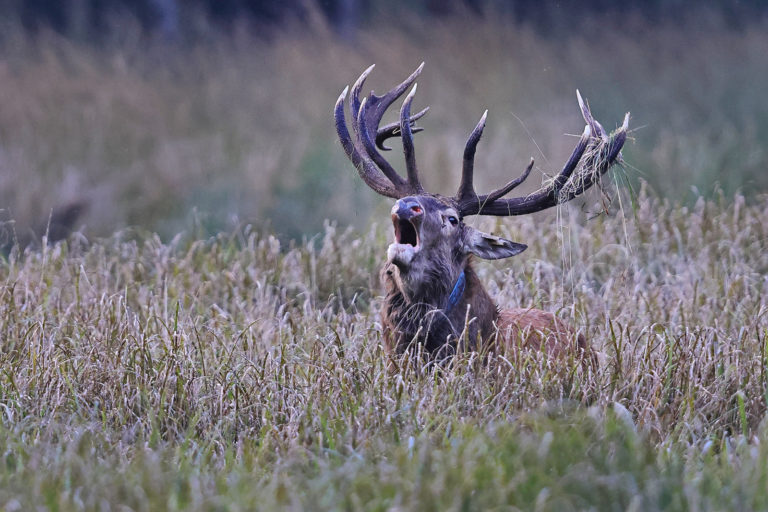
<point>506,189</point>
<point>408,149</point>
<point>393,130</point>
<point>365,167</point>
<point>354,101</point>
<point>587,115</point>
<point>466,192</point>
<point>574,159</point>
<point>398,91</point>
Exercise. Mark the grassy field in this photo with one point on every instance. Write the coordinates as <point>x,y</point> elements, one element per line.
<point>239,374</point>
<point>142,369</point>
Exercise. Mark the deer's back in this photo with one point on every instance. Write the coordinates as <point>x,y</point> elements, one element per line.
<point>536,329</point>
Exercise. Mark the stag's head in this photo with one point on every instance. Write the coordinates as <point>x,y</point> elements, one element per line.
<point>431,240</point>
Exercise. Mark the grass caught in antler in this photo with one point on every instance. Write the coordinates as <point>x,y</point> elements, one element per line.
<point>235,372</point>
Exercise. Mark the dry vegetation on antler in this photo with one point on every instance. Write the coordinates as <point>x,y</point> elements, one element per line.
<point>234,372</point>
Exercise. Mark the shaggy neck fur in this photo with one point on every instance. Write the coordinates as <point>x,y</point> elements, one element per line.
<point>419,314</point>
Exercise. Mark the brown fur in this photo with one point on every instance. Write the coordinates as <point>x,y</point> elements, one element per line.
<point>439,332</point>
<point>536,329</point>
<point>425,321</point>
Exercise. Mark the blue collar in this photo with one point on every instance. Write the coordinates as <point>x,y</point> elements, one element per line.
<point>457,293</point>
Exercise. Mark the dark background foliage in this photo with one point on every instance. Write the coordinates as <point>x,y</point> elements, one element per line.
<point>93,17</point>
<point>172,115</point>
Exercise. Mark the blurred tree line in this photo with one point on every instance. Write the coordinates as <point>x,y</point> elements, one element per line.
<point>173,18</point>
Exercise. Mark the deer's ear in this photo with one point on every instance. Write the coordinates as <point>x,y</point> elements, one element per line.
<point>491,247</point>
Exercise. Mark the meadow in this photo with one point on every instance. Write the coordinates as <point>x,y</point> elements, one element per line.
<point>235,373</point>
<point>172,356</point>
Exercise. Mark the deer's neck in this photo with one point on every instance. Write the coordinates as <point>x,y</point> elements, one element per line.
<point>437,314</point>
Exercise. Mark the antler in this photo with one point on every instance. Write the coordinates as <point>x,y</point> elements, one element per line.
<point>365,118</point>
<point>594,154</point>
<point>602,151</point>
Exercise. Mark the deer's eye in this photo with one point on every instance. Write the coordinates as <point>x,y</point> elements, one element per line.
<point>453,220</point>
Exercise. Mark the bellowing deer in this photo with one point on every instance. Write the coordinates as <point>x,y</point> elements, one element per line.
<point>431,287</point>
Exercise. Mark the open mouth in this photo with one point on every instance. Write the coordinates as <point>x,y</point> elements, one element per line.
<point>407,216</point>
<point>405,232</point>
<point>406,245</point>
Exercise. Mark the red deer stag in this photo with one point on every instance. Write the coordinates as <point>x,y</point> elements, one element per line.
<point>429,280</point>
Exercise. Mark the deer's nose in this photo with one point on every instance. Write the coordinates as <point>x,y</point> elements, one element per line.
<point>407,208</point>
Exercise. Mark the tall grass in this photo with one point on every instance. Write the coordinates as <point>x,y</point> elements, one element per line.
<point>236,372</point>
<point>236,127</point>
